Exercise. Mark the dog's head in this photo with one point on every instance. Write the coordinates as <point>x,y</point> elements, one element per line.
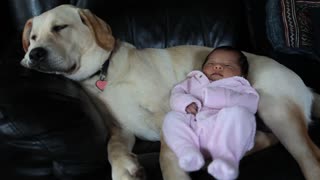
<point>65,39</point>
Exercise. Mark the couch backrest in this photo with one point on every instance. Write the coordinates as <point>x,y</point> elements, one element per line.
<point>214,24</point>
<point>151,25</point>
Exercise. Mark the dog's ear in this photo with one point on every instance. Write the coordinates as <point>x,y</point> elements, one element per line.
<point>26,34</point>
<point>101,30</point>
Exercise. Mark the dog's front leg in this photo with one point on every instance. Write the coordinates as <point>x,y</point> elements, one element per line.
<point>124,163</point>
<point>169,164</point>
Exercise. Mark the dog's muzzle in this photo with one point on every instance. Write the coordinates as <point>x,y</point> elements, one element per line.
<point>37,55</point>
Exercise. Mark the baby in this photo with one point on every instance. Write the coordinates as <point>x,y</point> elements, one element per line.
<point>213,115</point>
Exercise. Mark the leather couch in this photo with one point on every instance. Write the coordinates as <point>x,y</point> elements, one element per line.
<point>50,128</point>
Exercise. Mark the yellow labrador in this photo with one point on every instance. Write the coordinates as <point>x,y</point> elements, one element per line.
<point>75,43</point>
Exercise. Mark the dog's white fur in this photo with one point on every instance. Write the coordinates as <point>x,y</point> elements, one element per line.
<point>139,82</point>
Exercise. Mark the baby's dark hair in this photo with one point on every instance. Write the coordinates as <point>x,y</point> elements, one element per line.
<point>243,62</point>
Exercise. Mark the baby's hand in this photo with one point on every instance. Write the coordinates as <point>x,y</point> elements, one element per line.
<point>192,108</point>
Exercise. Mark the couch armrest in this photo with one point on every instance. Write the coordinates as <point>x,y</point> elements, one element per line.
<point>49,127</point>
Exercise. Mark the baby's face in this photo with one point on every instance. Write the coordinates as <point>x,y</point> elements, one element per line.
<point>222,64</point>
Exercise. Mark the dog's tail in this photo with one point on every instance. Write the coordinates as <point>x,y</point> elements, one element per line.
<point>316,105</point>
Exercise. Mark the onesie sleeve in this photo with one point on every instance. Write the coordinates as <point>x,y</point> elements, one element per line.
<point>181,98</point>
<point>248,99</point>
<point>219,97</point>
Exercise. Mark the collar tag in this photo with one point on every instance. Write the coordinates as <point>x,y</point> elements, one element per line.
<point>101,84</point>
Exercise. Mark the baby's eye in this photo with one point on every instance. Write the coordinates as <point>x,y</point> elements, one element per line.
<point>229,66</point>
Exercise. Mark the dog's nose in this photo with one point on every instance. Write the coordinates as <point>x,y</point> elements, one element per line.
<point>38,54</point>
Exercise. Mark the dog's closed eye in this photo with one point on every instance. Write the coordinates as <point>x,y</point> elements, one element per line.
<point>58,28</point>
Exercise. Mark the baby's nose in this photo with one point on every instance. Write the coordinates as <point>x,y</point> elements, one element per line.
<point>218,67</point>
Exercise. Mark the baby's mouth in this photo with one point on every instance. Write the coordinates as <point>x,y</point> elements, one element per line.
<point>216,74</point>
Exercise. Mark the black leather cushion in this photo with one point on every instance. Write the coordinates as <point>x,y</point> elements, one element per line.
<point>315,16</point>
<point>48,127</point>
<point>211,24</point>
<point>160,27</point>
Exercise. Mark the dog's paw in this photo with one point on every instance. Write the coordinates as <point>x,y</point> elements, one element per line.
<point>128,169</point>
<point>138,174</point>
<point>135,170</point>
<point>133,174</point>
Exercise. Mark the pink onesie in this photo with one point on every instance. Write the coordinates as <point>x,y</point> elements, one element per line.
<point>223,129</point>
